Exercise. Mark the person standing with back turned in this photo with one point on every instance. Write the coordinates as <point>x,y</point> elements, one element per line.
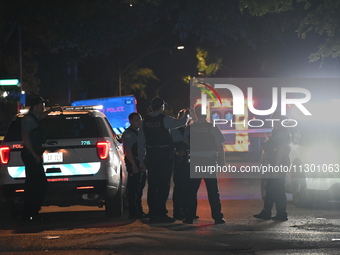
<point>181,170</point>
<point>276,153</point>
<point>33,136</point>
<point>155,147</point>
<point>206,149</point>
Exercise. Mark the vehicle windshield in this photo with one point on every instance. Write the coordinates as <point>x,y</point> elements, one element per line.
<point>63,127</point>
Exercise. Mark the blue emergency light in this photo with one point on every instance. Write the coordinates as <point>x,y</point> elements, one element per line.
<point>116,109</point>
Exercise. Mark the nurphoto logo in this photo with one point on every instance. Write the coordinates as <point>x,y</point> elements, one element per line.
<point>239,107</point>
<point>243,112</point>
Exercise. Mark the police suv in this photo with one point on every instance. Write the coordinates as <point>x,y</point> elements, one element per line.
<point>83,161</point>
<point>314,175</point>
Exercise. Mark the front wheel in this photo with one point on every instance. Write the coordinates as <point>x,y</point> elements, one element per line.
<point>301,196</point>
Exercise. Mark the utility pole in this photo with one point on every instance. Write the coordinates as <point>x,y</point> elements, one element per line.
<point>22,102</point>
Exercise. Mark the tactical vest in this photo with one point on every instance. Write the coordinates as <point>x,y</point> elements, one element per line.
<point>156,135</point>
<point>201,137</point>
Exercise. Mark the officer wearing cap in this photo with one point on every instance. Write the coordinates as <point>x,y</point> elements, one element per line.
<point>154,146</point>
<point>33,136</point>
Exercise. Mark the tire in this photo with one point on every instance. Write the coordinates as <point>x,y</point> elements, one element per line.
<point>301,195</point>
<point>114,203</point>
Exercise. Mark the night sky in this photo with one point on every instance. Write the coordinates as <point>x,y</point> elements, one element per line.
<point>75,50</point>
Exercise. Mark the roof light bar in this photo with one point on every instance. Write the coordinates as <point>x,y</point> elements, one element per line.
<point>84,107</point>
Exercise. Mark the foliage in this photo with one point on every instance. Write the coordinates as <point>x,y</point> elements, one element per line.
<point>135,82</point>
<point>318,16</point>
<point>74,30</point>
<point>211,21</point>
<point>77,30</point>
<point>116,31</point>
<point>262,7</point>
<point>203,67</point>
<point>323,19</point>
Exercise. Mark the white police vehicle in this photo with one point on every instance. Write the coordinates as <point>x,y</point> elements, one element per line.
<point>83,161</point>
<point>314,176</point>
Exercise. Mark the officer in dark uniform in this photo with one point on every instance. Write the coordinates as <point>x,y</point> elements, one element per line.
<point>155,147</point>
<point>206,149</point>
<point>33,136</point>
<point>137,178</point>
<point>276,153</point>
<point>181,172</point>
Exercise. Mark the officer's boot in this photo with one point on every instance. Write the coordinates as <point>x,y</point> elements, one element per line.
<point>263,215</point>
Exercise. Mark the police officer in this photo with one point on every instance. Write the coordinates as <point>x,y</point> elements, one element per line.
<point>181,171</point>
<point>206,149</point>
<point>137,178</point>
<point>155,146</point>
<point>276,153</point>
<point>33,136</point>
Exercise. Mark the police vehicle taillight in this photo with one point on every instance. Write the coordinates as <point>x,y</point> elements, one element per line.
<point>4,155</point>
<point>103,149</point>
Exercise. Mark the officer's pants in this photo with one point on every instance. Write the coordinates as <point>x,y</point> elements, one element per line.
<point>136,184</point>
<point>181,180</point>
<point>275,193</point>
<point>212,189</point>
<point>35,184</point>
<point>213,196</point>
<point>159,166</point>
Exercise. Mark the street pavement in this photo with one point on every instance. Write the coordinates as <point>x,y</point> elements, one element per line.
<point>85,230</point>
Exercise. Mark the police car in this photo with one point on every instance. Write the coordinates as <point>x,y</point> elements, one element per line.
<point>83,161</point>
<point>314,176</point>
